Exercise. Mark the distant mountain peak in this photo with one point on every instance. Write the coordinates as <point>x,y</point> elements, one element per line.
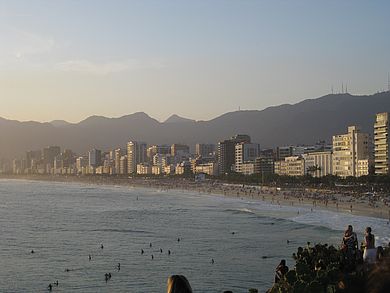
<point>177,119</point>
<point>59,123</point>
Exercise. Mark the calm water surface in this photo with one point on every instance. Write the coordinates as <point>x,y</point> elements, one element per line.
<point>65,222</point>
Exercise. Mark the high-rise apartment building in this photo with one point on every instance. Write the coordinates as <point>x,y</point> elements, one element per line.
<point>117,160</point>
<point>226,152</point>
<point>123,165</point>
<point>381,143</point>
<point>94,158</point>
<point>348,149</point>
<point>49,153</point>
<point>136,154</point>
<point>245,153</point>
<point>32,157</point>
<point>265,162</point>
<point>81,164</point>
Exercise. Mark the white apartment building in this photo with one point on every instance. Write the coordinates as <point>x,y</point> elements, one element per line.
<point>348,149</point>
<point>136,154</point>
<point>318,164</point>
<point>207,168</point>
<point>245,153</point>
<point>290,166</point>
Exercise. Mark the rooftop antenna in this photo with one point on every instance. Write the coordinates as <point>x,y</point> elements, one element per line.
<point>332,88</point>
<point>346,88</point>
<point>342,88</point>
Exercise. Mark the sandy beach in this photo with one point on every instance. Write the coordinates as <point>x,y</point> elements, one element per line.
<point>338,201</point>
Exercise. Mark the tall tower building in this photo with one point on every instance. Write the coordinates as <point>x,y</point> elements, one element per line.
<point>350,151</point>
<point>136,154</point>
<point>94,158</point>
<point>117,160</point>
<point>381,143</point>
<point>49,153</point>
<point>226,152</point>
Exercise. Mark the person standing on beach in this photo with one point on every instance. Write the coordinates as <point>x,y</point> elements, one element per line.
<point>369,255</point>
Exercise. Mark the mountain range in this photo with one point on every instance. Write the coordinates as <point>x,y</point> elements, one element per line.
<point>305,122</point>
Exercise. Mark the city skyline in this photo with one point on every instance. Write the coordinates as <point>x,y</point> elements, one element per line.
<point>195,59</point>
<point>354,154</point>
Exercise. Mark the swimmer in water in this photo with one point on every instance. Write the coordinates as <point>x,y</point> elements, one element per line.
<point>142,251</point>
<point>152,256</point>
<point>212,260</point>
<point>119,266</point>
<point>101,246</point>
<point>50,287</point>
<point>160,250</point>
<point>89,257</point>
<point>169,252</point>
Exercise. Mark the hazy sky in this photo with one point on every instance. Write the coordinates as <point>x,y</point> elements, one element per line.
<point>199,59</point>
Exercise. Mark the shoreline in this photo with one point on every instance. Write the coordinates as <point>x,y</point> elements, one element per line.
<point>302,197</point>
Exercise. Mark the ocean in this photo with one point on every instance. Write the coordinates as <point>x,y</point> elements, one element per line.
<point>64,223</point>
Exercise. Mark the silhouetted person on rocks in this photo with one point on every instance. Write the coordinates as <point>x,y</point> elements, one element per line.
<point>281,270</point>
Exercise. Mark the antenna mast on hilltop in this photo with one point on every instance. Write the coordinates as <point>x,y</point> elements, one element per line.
<point>346,88</point>
<point>342,88</point>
